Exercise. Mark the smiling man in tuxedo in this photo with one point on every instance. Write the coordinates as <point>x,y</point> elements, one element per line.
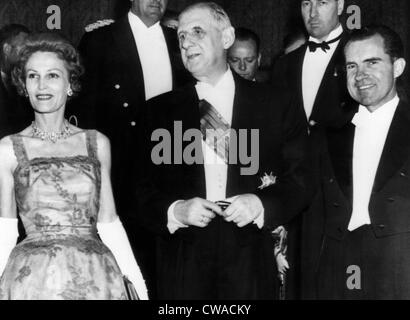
<point>365,178</point>
<point>205,251</point>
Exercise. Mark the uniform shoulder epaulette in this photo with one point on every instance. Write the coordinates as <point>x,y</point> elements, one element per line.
<point>98,24</point>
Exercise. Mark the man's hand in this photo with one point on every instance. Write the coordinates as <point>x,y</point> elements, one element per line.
<point>196,212</point>
<point>244,209</point>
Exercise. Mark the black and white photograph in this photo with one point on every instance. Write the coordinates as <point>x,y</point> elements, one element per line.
<point>235,151</point>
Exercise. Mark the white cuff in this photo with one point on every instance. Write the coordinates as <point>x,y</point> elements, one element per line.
<point>8,239</point>
<point>173,223</point>
<point>260,220</point>
<point>115,238</point>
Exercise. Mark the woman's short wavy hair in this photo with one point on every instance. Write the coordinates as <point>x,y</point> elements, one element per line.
<point>48,42</point>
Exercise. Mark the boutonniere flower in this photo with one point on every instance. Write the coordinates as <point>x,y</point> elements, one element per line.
<point>267,180</point>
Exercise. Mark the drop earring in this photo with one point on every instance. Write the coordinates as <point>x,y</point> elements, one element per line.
<point>69,92</point>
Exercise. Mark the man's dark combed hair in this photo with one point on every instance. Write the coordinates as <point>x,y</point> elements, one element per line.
<point>11,30</point>
<point>244,34</point>
<point>393,45</point>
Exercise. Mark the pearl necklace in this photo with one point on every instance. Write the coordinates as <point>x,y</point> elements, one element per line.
<point>51,136</point>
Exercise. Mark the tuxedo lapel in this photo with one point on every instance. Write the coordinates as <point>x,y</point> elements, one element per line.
<point>241,115</point>
<point>296,69</point>
<point>334,70</point>
<point>188,112</point>
<point>340,146</point>
<point>127,47</point>
<point>174,55</point>
<point>396,148</point>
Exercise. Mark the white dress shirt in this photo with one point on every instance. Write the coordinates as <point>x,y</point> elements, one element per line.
<point>314,67</point>
<point>221,97</point>
<point>154,57</point>
<point>369,139</point>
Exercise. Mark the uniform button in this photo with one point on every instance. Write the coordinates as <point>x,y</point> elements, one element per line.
<point>125,105</point>
<point>331,180</point>
<point>336,205</point>
<point>117,86</point>
<point>381,226</point>
<point>312,123</point>
<point>133,123</point>
<point>402,173</point>
<point>390,199</point>
<point>342,104</point>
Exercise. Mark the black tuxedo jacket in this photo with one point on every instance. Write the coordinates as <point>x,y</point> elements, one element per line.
<point>4,118</point>
<point>332,98</point>
<point>390,199</point>
<point>330,107</point>
<point>15,111</point>
<point>380,249</point>
<point>282,134</point>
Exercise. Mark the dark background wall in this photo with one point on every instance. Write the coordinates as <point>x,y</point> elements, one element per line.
<point>271,19</point>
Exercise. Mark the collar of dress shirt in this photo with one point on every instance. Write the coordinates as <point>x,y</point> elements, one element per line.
<point>205,90</point>
<point>332,35</point>
<point>383,114</point>
<point>220,95</point>
<point>137,24</point>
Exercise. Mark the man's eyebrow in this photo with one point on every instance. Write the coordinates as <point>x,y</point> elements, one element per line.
<point>365,60</point>
<point>372,59</point>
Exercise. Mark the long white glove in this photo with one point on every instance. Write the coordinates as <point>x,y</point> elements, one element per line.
<point>8,239</point>
<point>115,238</point>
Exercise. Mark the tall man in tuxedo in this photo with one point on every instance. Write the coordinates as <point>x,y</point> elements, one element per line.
<point>127,63</point>
<point>207,251</point>
<point>365,178</point>
<point>315,74</point>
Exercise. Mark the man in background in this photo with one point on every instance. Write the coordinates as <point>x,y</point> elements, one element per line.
<point>244,55</point>
<point>15,111</point>
<point>127,63</point>
<point>315,74</point>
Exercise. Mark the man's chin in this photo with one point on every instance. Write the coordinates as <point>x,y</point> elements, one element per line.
<point>247,77</point>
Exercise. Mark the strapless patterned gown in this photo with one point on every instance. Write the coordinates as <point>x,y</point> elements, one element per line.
<point>62,256</point>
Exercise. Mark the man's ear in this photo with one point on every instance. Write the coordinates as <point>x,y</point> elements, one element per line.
<point>340,6</point>
<point>259,59</point>
<point>398,67</point>
<point>6,48</point>
<point>228,37</point>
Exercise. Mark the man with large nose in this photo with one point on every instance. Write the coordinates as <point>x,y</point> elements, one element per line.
<point>210,249</point>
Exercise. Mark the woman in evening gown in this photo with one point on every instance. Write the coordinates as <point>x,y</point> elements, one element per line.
<point>56,177</point>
